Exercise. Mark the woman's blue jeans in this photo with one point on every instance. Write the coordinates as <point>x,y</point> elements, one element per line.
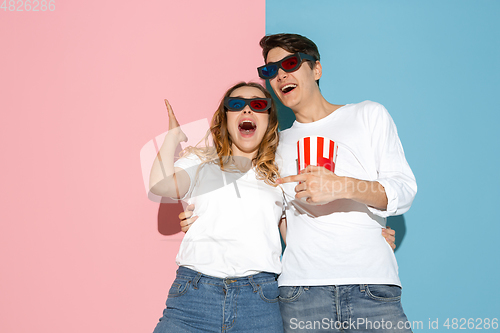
<point>201,303</point>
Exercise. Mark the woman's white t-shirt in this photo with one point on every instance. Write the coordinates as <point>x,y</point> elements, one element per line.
<point>236,233</point>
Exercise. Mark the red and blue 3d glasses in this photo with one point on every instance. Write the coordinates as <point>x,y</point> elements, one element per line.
<point>289,64</point>
<point>255,104</point>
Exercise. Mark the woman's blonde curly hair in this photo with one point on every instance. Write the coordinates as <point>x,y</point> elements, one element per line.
<point>221,151</point>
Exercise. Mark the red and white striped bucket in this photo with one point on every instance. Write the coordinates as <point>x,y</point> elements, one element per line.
<point>316,150</point>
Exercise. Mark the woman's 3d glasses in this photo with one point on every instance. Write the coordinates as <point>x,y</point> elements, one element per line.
<point>288,64</point>
<point>256,104</point>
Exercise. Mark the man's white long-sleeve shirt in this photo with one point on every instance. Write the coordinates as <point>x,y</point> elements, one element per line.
<point>341,243</point>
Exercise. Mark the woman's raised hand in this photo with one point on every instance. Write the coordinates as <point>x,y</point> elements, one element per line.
<point>173,124</point>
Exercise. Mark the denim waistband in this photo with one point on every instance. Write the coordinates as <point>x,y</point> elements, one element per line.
<point>197,277</point>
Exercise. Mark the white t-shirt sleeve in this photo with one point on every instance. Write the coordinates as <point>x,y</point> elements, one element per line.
<point>394,173</point>
<point>190,164</point>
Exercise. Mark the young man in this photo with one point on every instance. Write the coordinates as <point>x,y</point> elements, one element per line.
<point>338,272</point>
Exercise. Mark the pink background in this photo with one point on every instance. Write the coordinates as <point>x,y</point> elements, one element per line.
<point>82,92</point>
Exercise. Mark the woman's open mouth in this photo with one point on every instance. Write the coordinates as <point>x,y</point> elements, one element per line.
<point>247,127</point>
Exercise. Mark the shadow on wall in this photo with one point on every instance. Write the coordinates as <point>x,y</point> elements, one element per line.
<point>285,115</point>
<point>168,218</point>
<point>168,212</point>
<point>398,223</point>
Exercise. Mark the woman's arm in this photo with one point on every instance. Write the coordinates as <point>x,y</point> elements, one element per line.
<point>165,180</point>
<point>282,227</point>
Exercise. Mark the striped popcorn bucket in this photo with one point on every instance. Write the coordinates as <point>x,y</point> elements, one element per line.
<point>316,150</point>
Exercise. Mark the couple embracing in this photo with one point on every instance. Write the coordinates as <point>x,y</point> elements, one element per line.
<point>338,272</point>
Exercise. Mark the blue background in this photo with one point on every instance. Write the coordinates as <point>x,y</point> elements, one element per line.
<point>435,66</point>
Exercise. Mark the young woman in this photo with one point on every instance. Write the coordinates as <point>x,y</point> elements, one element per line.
<point>229,260</point>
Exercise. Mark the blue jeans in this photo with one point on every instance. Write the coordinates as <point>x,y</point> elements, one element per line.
<point>201,303</point>
<point>344,308</point>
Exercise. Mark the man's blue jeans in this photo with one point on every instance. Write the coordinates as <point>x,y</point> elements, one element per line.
<point>201,303</point>
<point>344,308</point>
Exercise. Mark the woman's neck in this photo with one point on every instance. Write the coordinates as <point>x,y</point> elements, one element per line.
<point>242,163</point>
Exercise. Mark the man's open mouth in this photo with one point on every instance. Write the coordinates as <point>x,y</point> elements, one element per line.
<point>288,88</point>
<point>247,127</point>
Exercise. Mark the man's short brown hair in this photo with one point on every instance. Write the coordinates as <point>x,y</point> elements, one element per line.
<point>292,43</point>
